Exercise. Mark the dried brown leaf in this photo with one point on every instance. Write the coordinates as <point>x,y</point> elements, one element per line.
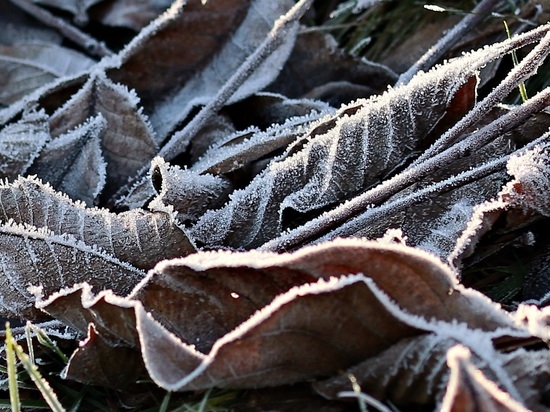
<point>196,325</point>
<point>316,62</point>
<point>110,375</point>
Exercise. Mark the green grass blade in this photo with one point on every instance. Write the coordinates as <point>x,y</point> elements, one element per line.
<point>204,402</point>
<point>522,89</point>
<point>15,403</point>
<point>45,340</point>
<point>47,393</point>
<point>165,402</point>
<point>28,336</point>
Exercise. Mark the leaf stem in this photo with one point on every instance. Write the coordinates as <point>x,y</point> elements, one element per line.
<point>370,216</point>
<point>435,52</point>
<point>15,402</point>
<point>274,39</point>
<point>85,41</point>
<point>47,392</point>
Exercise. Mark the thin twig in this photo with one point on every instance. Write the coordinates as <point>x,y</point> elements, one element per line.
<point>370,216</point>
<point>88,43</point>
<point>382,192</point>
<point>274,39</point>
<point>518,74</point>
<point>435,52</point>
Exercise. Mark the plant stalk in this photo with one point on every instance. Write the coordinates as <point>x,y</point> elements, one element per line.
<point>274,39</point>
<point>85,41</point>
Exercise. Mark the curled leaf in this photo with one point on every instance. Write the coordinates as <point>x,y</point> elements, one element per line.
<point>189,193</point>
<point>195,319</point>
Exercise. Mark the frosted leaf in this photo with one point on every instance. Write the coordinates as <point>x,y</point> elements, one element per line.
<point>411,371</point>
<point>188,193</point>
<point>340,156</point>
<point>73,163</point>
<point>530,370</point>
<point>132,237</point>
<point>21,142</point>
<point>37,257</point>
<point>302,319</point>
<point>447,228</point>
<point>436,224</point>
<point>28,66</point>
<point>414,371</point>
<point>55,93</point>
<point>203,86</point>
<point>127,142</point>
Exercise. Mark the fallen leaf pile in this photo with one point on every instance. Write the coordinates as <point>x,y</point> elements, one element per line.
<point>228,200</point>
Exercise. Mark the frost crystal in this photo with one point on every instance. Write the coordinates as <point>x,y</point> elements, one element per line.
<point>532,179</point>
